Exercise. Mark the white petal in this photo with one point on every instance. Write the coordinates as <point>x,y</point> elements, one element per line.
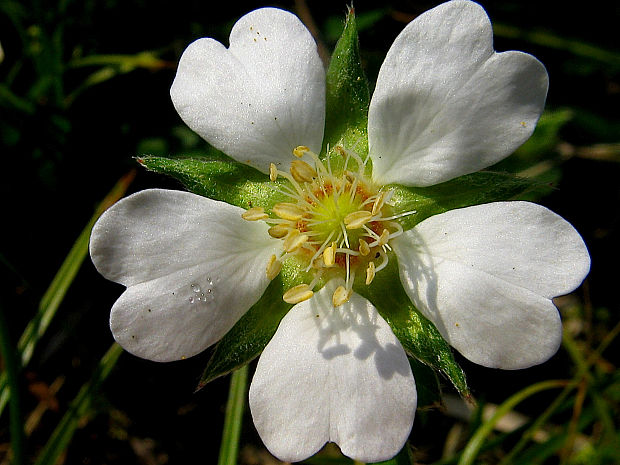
<point>333,375</point>
<point>192,267</point>
<point>485,275</point>
<point>259,99</point>
<point>446,104</point>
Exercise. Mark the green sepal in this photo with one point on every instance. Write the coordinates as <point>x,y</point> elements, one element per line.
<point>347,94</point>
<point>464,191</point>
<point>247,339</point>
<point>427,384</point>
<point>418,335</point>
<point>221,178</point>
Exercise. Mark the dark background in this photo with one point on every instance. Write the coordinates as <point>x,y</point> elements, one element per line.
<point>66,140</point>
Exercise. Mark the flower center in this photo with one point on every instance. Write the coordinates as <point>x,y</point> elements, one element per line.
<point>338,223</point>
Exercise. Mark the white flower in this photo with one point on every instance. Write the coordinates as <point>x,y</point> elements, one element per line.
<point>445,105</point>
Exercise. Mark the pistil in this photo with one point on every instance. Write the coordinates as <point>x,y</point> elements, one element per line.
<point>334,221</point>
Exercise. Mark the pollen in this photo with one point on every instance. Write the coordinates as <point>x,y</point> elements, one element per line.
<point>334,220</point>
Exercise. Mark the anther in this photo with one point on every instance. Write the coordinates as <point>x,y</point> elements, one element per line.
<point>384,237</point>
<point>288,211</point>
<point>300,150</point>
<point>370,273</point>
<point>294,240</point>
<point>273,172</point>
<point>302,171</point>
<point>273,267</point>
<point>329,255</point>
<point>278,231</point>
<point>357,219</point>
<point>340,150</point>
<point>364,249</point>
<point>297,294</point>
<point>254,214</point>
<point>379,201</point>
<point>341,296</point>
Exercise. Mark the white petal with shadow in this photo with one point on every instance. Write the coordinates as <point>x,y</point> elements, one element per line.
<point>485,276</point>
<point>333,374</point>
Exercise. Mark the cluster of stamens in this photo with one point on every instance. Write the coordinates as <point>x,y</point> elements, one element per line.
<point>339,224</point>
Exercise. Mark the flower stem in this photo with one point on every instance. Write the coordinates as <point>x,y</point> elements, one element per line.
<point>234,417</point>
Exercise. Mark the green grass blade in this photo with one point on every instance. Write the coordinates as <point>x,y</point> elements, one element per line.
<point>60,284</point>
<point>10,374</point>
<point>234,417</point>
<point>477,440</point>
<point>61,437</point>
<point>582,370</point>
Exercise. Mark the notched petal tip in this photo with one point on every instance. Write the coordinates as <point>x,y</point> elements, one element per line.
<point>458,105</point>
<point>336,375</point>
<point>258,97</point>
<point>485,276</point>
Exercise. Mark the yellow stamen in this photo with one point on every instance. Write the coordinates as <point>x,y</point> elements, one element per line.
<point>357,219</point>
<point>273,172</point>
<point>294,240</point>
<point>254,214</point>
<point>379,201</point>
<point>329,255</point>
<point>297,294</point>
<point>288,211</point>
<point>302,171</point>
<point>278,231</point>
<point>341,296</point>
<point>273,267</point>
<point>384,238</point>
<point>370,273</point>
<point>364,249</point>
<point>300,150</point>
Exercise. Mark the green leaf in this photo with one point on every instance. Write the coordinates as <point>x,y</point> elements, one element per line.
<point>471,189</point>
<point>247,339</point>
<point>347,94</point>
<point>419,337</point>
<point>220,178</point>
